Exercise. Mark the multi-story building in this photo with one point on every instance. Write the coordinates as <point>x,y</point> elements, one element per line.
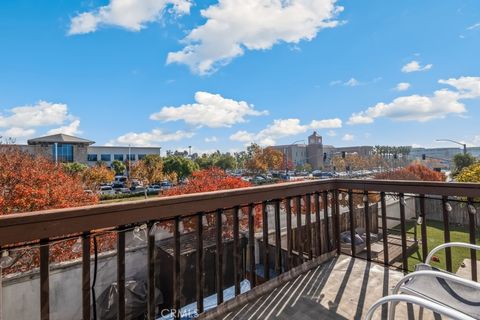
<point>65,148</point>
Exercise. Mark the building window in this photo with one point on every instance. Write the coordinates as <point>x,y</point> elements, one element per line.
<point>106,157</point>
<point>63,152</point>
<point>118,157</point>
<point>141,156</point>
<point>92,157</point>
<point>131,158</point>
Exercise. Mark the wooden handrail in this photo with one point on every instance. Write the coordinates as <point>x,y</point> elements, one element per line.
<point>31,226</point>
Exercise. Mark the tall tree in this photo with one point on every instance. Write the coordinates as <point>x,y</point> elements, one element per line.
<point>148,170</point>
<point>461,161</point>
<point>119,167</point>
<point>181,166</point>
<point>95,176</point>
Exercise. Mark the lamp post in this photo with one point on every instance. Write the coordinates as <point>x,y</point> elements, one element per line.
<point>190,151</point>
<point>453,141</point>
<point>129,158</point>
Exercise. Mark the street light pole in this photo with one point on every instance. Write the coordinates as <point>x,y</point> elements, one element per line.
<point>453,141</point>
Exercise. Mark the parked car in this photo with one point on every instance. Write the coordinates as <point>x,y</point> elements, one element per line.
<point>165,185</point>
<point>106,190</point>
<point>154,188</point>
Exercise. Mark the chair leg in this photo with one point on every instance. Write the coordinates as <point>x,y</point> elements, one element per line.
<point>420,314</point>
<point>391,312</point>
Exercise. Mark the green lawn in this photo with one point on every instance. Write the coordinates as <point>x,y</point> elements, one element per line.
<point>435,237</point>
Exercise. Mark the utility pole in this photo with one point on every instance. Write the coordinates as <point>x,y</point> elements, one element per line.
<point>453,141</point>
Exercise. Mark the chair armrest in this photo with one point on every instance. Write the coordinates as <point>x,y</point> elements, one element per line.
<point>448,245</point>
<point>450,313</point>
<point>436,274</point>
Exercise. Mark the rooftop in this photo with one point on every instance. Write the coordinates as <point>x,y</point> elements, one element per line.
<point>60,138</point>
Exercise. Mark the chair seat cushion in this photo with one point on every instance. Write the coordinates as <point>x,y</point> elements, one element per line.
<point>461,297</point>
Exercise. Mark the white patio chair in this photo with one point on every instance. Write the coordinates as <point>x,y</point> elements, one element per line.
<point>441,287</point>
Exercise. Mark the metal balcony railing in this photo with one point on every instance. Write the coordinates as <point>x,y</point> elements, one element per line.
<point>252,234</point>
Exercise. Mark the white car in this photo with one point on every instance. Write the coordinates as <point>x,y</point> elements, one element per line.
<point>106,190</point>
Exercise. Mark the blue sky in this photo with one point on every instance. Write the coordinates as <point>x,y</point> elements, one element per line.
<point>221,74</point>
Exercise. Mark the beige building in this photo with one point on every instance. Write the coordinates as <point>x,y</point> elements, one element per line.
<point>66,148</point>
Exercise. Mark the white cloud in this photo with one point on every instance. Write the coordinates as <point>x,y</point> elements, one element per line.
<point>70,129</point>
<point>348,137</point>
<point>233,26</point>
<point>331,133</point>
<point>150,138</point>
<point>211,139</point>
<point>414,66</point>
<point>16,132</point>
<point>352,82</point>
<point>402,86</point>
<point>281,128</point>
<point>474,26</point>
<point>129,14</point>
<point>23,121</point>
<point>41,114</point>
<point>210,110</point>
<point>469,87</point>
<point>424,108</point>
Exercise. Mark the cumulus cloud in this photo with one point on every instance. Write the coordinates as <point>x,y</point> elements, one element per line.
<point>132,15</point>
<point>424,108</point>
<point>150,138</point>
<point>233,26</point>
<point>414,66</point>
<point>210,110</point>
<point>402,86</point>
<point>468,87</point>
<point>281,128</point>
<point>331,133</point>
<point>71,129</point>
<point>23,121</point>
<point>40,114</point>
<point>348,137</point>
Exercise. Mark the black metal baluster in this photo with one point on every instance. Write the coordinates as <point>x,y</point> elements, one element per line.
<point>121,273</point>
<point>236,254</point>
<point>352,222</point>
<point>219,256</point>
<point>308,222</point>
<point>318,225</point>
<point>251,243</point>
<point>86,275</point>
<point>472,224</point>
<point>299,228</point>
<point>446,232</point>
<point>266,256</point>
<point>176,268</point>
<point>386,259</point>
<point>151,271</point>
<point>278,239</point>
<point>325,218</point>
<point>423,227</point>
<point>337,221</point>
<point>367,225</point>
<point>403,232</point>
<point>199,275</point>
<point>289,233</point>
<point>44,280</point>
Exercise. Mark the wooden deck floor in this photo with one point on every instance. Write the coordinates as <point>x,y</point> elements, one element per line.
<point>340,288</point>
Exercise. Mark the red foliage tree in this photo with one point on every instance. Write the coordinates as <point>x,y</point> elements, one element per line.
<point>214,179</point>
<point>29,183</point>
<point>412,172</point>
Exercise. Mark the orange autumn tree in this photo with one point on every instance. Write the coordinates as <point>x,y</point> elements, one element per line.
<point>29,183</point>
<point>412,172</point>
<point>213,179</point>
